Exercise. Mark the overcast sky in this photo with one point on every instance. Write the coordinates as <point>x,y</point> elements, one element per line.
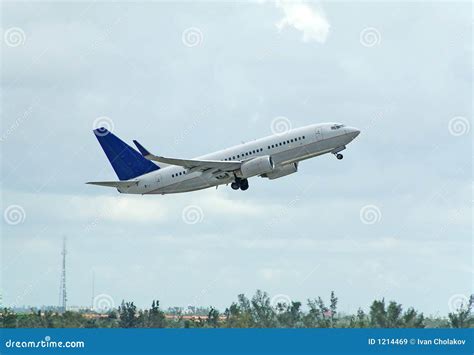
<point>393,219</point>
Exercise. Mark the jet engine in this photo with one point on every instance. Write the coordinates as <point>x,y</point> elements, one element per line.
<point>281,171</point>
<point>256,166</point>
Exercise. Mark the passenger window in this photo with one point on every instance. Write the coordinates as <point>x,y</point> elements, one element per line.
<point>303,137</point>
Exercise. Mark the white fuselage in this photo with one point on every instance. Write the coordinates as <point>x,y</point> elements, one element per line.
<point>286,148</point>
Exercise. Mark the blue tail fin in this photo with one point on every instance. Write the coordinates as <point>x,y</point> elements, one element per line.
<point>125,160</point>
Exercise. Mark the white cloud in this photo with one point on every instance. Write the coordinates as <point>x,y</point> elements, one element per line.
<point>305,18</point>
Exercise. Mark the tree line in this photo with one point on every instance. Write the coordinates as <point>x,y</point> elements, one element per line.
<point>256,312</point>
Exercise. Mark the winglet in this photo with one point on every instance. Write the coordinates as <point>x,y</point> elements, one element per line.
<point>142,149</point>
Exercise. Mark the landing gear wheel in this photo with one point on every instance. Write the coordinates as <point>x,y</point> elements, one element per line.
<point>339,156</point>
<point>244,185</point>
<point>235,185</point>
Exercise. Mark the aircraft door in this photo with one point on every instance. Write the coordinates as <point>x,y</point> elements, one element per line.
<point>319,134</point>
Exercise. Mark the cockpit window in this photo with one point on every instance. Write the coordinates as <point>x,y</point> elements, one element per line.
<point>337,126</point>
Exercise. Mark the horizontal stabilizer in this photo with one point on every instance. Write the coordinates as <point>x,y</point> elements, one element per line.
<point>122,184</point>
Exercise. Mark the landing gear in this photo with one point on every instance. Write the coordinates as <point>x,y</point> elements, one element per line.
<point>239,183</point>
<point>244,184</point>
<point>235,185</point>
<point>337,152</point>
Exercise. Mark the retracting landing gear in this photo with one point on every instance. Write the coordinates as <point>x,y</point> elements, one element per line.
<point>239,183</point>
<point>337,153</point>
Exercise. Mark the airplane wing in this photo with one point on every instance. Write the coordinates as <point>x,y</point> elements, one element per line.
<point>122,184</point>
<point>192,164</point>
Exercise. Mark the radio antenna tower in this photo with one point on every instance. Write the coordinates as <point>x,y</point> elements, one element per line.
<point>62,287</point>
<point>93,290</point>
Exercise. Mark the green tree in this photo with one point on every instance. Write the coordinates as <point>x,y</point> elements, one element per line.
<point>289,315</point>
<point>411,319</point>
<point>156,317</point>
<point>213,317</point>
<point>378,314</point>
<point>319,315</point>
<point>394,315</point>
<point>8,319</point>
<point>461,318</point>
<point>262,312</point>
<point>127,315</point>
<point>359,320</point>
<point>332,309</point>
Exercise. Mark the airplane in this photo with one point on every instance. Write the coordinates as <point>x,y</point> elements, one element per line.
<point>272,157</point>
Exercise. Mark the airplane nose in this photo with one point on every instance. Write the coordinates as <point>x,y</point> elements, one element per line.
<point>353,132</point>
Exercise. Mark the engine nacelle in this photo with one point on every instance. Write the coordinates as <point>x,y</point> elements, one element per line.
<point>281,171</point>
<point>257,166</point>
